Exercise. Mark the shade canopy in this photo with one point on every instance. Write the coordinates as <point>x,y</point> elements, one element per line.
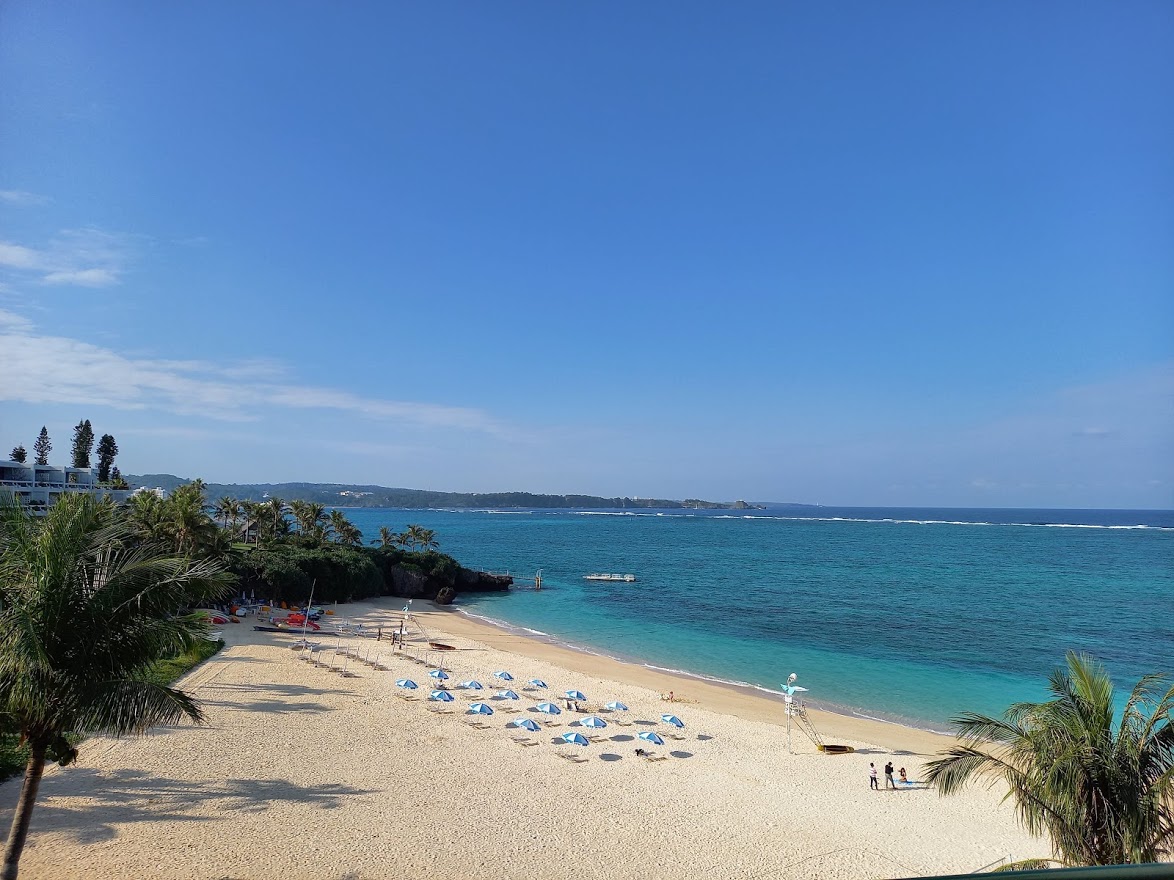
<point>575,695</point>
<point>442,696</point>
<point>438,674</point>
<point>509,695</point>
<point>651,736</point>
<point>406,683</point>
<point>472,685</point>
<point>548,709</point>
<point>538,682</point>
<point>593,721</point>
<point>673,720</point>
<point>573,738</point>
<point>481,709</point>
<point>615,706</point>
<point>526,724</point>
<point>503,675</point>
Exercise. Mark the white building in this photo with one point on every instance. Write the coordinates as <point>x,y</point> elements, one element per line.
<point>38,486</point>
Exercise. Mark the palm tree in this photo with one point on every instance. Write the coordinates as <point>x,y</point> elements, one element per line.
<point>338,522</point>
<point>351,535</point>
<point>1103,791</point>
<point>275,510</point>
<point>300,510</point>
<point>227,508</point>
<point>85,608</point>
<point>386,537</point>
<point>251,511</point>
<point>426,538</point>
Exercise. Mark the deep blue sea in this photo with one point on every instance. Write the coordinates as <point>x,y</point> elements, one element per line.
<point>910,615</point>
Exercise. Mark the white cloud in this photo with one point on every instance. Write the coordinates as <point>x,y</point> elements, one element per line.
<point>80,257</point>
<point>55,369</point>
<point>20,198</point>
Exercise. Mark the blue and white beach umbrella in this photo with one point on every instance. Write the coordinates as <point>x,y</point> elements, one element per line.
<point>575,695</point>
<point>526,724</point>
<point>576,739</point>
<point>406,683</point>
<point>615,706</point>
<point>480,709</point>
<point>538,682</point>
<point>651,736</point>
<point>509,695</point>
<point>673,720</point>
<point>549,709</point>
<point>472,685</point>
<point>503,675</point>
<point>593,721</point>
<point>438,674</point>
<point>442,696</point>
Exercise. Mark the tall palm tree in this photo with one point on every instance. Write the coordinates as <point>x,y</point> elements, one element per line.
<point>188,520</point>
<point>302,515</point>
<point>227,508</point>
<point>275,510</point>
<point>426,538</point>
<point>85,608</point>
<point>251,513</point>
<point>386,537</point>
<point>1104,791</point>
<point>338,523</point>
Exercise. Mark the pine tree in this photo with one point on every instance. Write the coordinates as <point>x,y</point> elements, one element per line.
<point>42,447</point>
<point>18,454</point>
<point>83,444</point>
<point>116,478</point>
<point>107,449</point>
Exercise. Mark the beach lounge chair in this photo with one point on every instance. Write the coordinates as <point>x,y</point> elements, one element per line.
<point>574,759</point>
<point>597,738</point>
<point>620,721</point>
<point>475,724</point>
<point>439,710</point>
<point>648,756</point>
<point>525,741</point>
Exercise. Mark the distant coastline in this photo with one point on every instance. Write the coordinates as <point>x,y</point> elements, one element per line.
<point>366,496</point>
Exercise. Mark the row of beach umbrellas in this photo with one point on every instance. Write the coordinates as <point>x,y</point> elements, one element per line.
<point>547,708</point>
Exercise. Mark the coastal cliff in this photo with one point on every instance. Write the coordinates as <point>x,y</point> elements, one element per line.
<point>289,571</point>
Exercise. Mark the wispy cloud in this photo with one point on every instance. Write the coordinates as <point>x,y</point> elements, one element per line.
<point>77,257</point>
<point>21,199</point>
<point>56,369</point>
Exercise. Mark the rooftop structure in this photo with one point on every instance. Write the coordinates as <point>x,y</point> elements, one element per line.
<point>38,486</point>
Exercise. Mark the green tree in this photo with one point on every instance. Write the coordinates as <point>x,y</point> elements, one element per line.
<point>338,523</point>
<point>18,454</point>
<point>228,509</point>
<point>116,479</point>
<point>42,447</point>
<point>387,538</point>
<point>107,450</point>
<point>85,609</point>
<point>275,523</point>
<point>1104,791</point>
<point>83,444</point>
<point>426,538</point>
<point>187,517</point>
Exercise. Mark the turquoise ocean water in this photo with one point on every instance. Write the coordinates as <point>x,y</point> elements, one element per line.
<point>909,615</point>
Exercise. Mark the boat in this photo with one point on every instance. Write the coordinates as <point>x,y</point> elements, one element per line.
<point>441,646</point>
<point>622,578</point>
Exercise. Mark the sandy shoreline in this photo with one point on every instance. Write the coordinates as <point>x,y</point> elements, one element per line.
<point>727,698</point>
<point>302,772</point>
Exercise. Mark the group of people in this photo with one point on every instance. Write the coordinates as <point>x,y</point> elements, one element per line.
<point>889,781</point>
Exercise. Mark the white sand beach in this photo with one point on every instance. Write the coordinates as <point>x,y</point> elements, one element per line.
<point>303,773</point>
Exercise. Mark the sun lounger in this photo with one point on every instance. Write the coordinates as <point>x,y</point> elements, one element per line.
<point>597,738</point>
<point>621,723</point>
<point>476,725</point>
<point>524,741</point>
<point>407,698</point>
<point>574,759</point>
<point>654,758</point>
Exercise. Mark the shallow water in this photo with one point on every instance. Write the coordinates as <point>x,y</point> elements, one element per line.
<point>907,615</point>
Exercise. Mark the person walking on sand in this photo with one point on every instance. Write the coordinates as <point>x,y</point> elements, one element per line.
<point>872,784</point>
<point>889,776</point>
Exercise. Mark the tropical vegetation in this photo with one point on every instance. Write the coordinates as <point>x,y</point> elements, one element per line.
<point>89,605</point>
<point>1098,782</point>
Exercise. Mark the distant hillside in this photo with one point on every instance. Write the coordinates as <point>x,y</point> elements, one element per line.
<point>342,495</point>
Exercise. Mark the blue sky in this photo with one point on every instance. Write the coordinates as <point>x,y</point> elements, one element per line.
<point>912,253</point>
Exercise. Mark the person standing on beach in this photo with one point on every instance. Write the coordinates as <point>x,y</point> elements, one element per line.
<point>889,776</point>
<point>872,784</point>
